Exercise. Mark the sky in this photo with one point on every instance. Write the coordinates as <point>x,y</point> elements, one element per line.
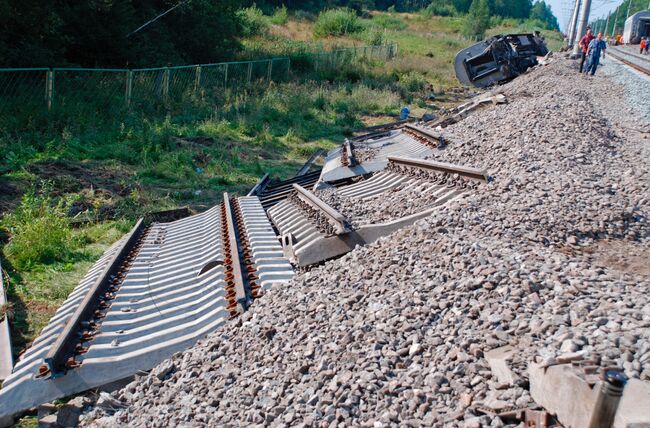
<point>564,8</point>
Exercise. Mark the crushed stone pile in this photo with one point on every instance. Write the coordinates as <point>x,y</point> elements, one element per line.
<point>550,258</point>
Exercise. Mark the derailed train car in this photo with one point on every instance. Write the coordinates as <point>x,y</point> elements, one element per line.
<point>498,59</point>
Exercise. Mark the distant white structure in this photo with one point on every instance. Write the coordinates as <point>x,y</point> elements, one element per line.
<point>637,26</point>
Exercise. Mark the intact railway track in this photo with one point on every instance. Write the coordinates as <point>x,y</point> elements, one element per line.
<point>626,58</point>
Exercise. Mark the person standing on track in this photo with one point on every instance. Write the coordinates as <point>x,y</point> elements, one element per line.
<point>642,45</point>
<point>596,48</point>
<point>584,45</point>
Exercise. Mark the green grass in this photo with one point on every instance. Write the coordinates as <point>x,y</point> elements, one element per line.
<point>37,292</point>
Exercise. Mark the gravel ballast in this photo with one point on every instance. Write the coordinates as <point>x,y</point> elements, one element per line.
<point>550,258</point>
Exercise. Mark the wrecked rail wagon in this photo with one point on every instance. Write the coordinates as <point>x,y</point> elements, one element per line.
<point>498,59</point>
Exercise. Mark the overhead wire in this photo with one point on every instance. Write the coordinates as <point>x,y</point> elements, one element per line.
<point>151,21</point>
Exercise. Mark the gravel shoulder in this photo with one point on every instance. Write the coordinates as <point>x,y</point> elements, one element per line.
<point>548,258</point>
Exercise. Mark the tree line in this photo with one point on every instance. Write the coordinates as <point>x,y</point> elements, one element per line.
<point>97,33</point>
<point>100,33</point>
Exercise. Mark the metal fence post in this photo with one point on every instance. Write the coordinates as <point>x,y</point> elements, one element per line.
<point>225,79</point>
<point>269,70</point>
<point>129,87</point>
<point>197,78</point>
<point>250,72</point>
<point>165,87</point>
<point>49,88</point>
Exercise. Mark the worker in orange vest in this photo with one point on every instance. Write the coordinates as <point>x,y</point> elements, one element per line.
<point>642,45</point>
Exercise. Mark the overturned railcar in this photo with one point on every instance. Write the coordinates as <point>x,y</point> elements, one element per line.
<point>498,59</point>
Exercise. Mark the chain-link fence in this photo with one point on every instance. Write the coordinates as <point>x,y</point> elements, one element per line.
<point>37,91</point>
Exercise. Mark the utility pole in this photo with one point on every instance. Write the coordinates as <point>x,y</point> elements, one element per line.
<point>584,17</point>
<point>607,23</point>
<point>629,3</point>
<point>572,25</point>
<point>615,20</point>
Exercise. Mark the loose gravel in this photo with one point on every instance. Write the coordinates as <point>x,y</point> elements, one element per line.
<point>549,258</point>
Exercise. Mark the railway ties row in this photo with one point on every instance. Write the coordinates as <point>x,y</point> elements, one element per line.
<point>313,230</point>
<point>156,292</point>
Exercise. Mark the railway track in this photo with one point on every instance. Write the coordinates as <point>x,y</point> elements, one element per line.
<point>155,292</point>
<point>168,284</point>
<point>621,56</point>
<point>312,231</point>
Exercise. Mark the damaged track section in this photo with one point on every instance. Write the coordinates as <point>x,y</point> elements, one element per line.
<point>155,292</point>
<point>314,230</point>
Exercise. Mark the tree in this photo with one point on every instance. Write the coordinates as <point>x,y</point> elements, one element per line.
<point>95,33</point>
<point>543,13</point>
<point>477,20</point>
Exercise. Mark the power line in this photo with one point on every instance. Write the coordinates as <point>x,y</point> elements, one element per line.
<point>157,17</point>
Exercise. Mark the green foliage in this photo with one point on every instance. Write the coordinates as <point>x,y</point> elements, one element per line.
<point>389,22</point>
<point>253,21</point>
<point>543,13</point>
<point>477,20</point>
<point>413,81</point>
<point>440,8</point>
<point>374,36</point>
<point>337,22</point>
<point>61,33</point>
<point>280,16</point>
<point>39,232</point>
<point>510,8</point>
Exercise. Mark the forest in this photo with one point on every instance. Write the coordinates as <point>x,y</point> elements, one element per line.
<point>102,33</point>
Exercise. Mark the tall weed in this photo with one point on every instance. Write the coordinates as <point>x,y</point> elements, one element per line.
<point>337,22</point>
<point>254,23</point>
<point>280,16</point>
<point>39,232</point>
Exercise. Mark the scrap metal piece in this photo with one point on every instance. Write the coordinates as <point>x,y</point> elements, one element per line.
<point>608,398</point>
<point>498,59</point>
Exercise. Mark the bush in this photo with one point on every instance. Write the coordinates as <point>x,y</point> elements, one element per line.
<point>39,232</point>
<point>440,8</point>
<point>253,21</point>
<point>304,15</point>
<point>280,16</point>
<point>374,36</point>
<point>389,22</point>
<point>477,20</point>
<point>337,22</point>
<point>413,81</point>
